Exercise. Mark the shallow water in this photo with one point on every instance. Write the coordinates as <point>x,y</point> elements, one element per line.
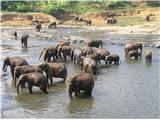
<point>128,90</point>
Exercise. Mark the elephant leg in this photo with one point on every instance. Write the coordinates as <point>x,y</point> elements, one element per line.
<point>30,89</point>
<point>12,72</point>
<point>51,80</point>
<point>110,62</point>
<point>89,92</point>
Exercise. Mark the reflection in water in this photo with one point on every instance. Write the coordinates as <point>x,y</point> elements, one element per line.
<point>80,107</point>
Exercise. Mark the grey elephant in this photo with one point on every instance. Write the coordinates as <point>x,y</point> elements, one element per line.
<point>132,46</point>
<point>33,79</point>
<point>89,65</point>
<point>101,54</point>
<point>87,51</point>
<point>64,51</point>
<point>82,81</point>
<point>48,53</point>
<point>24,70</point>
<point>75,55</point>
<point>13,62</point>
<point>57,70</point>
<point>38,27</point>
<point>88,22</point>
<point>24,40</point>
<point>134,53</point>
<point>95,43</point>
<point>148,55</point>
<point>52,24</point>
<point>112,58</point>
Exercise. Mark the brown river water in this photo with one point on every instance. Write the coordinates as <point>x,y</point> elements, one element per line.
<point>128,90</point>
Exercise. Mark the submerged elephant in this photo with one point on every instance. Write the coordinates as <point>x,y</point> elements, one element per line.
<point>33,79</point>
<point>89,65</point>
<point>25,69</point>
<point>57,70</point>
<point>48,53</point>
<point>24,40</point>
<point>13,62</point>
<point>82,81</point>
<point>112,58</point>
<point>148,54</point>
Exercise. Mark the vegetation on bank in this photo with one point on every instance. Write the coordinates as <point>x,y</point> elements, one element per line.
<point>80,6</point>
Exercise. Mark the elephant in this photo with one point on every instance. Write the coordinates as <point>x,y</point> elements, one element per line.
<point>134,53</point>
<point>63,43</point>
<point>101,54</point>
<point>111,20</point>
<point>87,51</point>
<point>82,81</point>
<point>65,51</point>
<point>52,24</point>
<point>24,40</point>
<point>88,22</point>
<point>95,43</point>
<point>148,54</point>
<point>132,46</point>
<point>75,55</point>
<point>48,53</point>
<point>13,62</point>
<point>38,27</point>
<point>57,70</point>
<point>15,34</point>
<point>76,19</point>
<point>25,69</point>
<point>33,79</point>
<point>112,58</point>
<point>148,17</point>
<point>89,65</point>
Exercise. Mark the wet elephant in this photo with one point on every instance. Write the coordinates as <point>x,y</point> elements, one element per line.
<point>64,51</point>
<point>48,53</point>
<point>112,58</point>
<point>57,70</point>
<point>93,56</point>
<point>134,53</point>
<point>95,43</point>
<point>33,79</point>
<point>132,46</point>
<point>89,65</point>
<point>38,27</point>
<point>53,24</point>
<point>148,55</point>
<point>87,51</point>
<point>75,55</point>
<point>82,81</point>
<point>25,69</point>
<point>24,40</point>
<point>13,62</point>
<point>101,53</point>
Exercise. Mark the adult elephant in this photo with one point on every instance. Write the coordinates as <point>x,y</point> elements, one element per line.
<point>24,70</point>
<point>38,27</point>
<point>87,51</point>
<point>64,51</point>
<point>95,43</point>
<point>48,53</point>
<point>57,70</point>
<point>101,54</point>
<point>88,22</point>
<point>134,53</point>
<point>89,65</point>
<point>82,81</point>
<point>53,24</point>
<point>13,62</point>
<point>112,58</point>
<point>24,40</point>
<point>76,55</point>
<point>148,55</point>
<point>132,46</point>
<point>33,79</point>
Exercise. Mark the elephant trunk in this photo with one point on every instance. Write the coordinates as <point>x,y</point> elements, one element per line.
<point>19,82</point>
<point>4,67</point>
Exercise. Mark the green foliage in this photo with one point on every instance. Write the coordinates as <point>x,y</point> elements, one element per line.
<point>73,6</point>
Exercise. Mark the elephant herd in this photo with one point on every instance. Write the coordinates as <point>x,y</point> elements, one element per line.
<point>87,58</point>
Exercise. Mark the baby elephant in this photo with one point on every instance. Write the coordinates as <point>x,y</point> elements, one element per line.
<point>82,81</point>
<point>112,58</point>
<point>148,54</point>
<point>134,53</point>
<point>24,40</point>
<point>33,79</point>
